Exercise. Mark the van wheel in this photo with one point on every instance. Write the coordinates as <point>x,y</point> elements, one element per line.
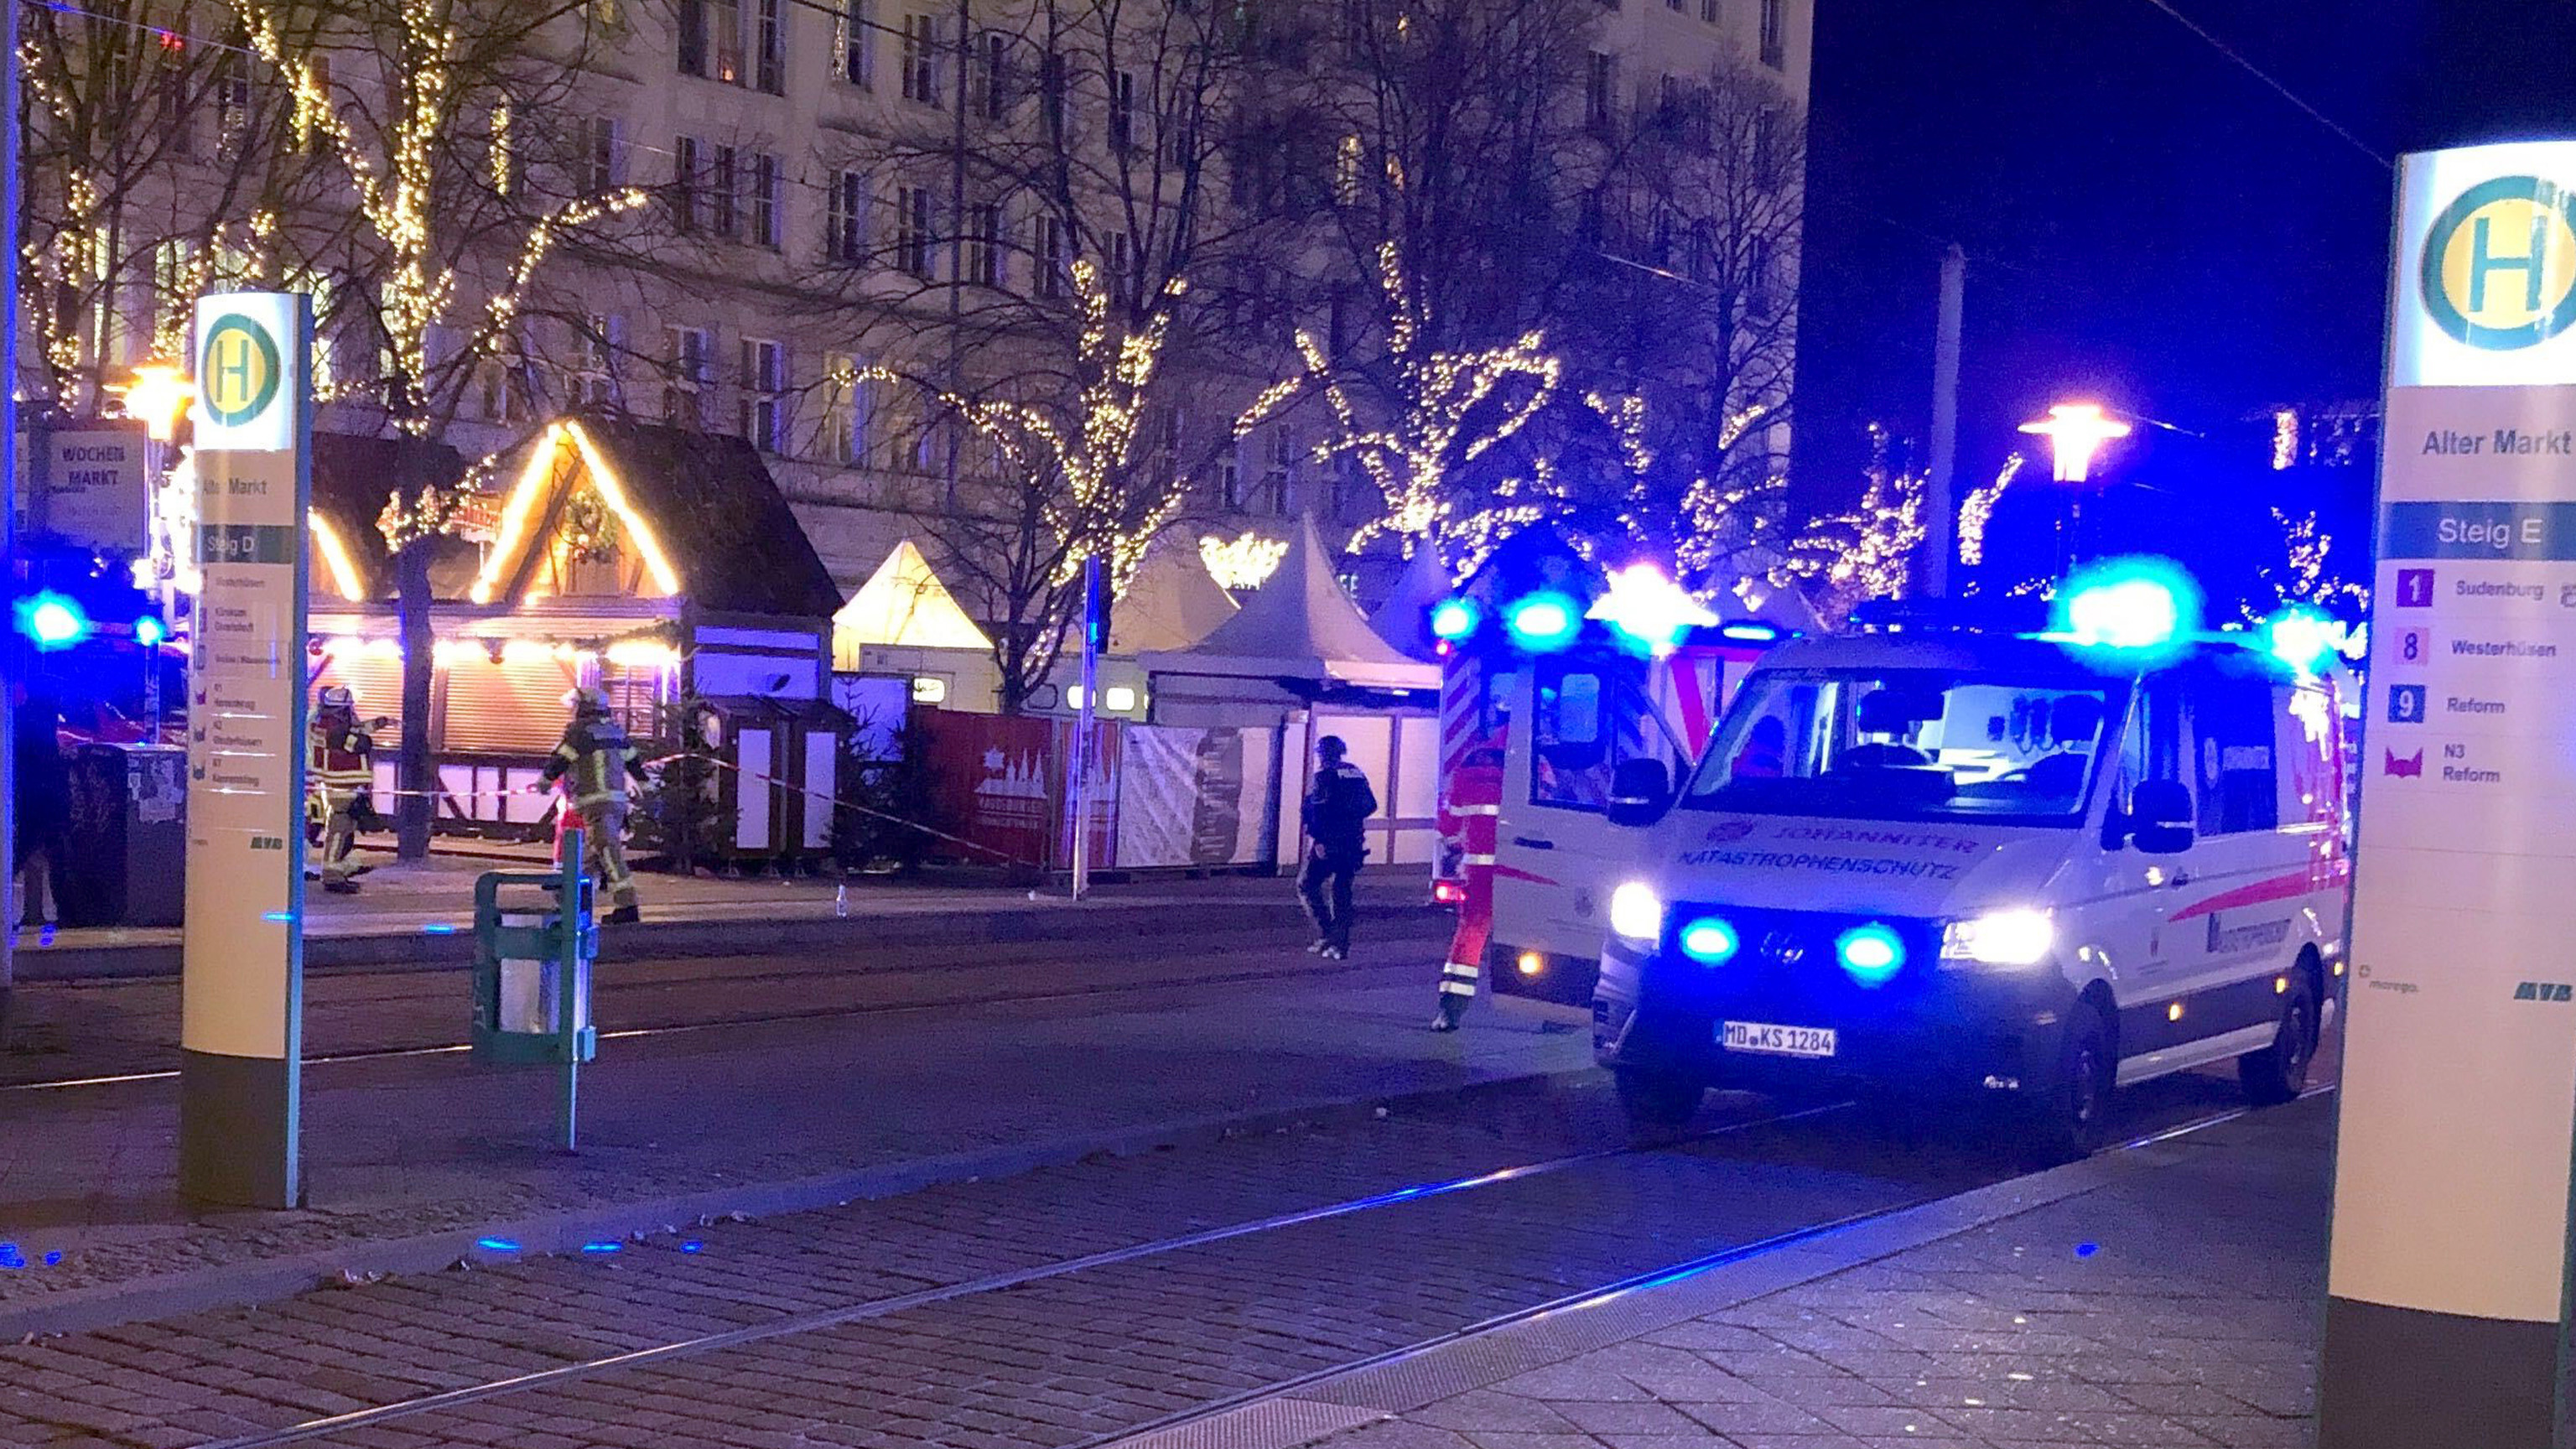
<point>2076,1107</point>
<point>2279,1072</point>
<point>1657,1099</point>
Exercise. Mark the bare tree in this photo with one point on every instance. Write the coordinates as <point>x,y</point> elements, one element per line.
<point>429,107</point>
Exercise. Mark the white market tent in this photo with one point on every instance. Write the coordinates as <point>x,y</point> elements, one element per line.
<point>1301,627</point>
<point>902,605</point>
<point>1405,617</point>
<point>1173,603</point>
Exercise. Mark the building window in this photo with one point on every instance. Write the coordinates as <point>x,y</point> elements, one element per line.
<point>232,102</point>
<point>845,228</point>
<point>912,239</point>
<point>1054,86</point>
<point>921,59</point>
<point>842,438</point>
<point>1122,109</point>
<point>770,49</point>
<point>1601,91</point>
<point>596,138</point>
<point>1708,11</point>
<point>693,37</point>
<point>1121,280</point>
<point>997,75</point>
<point>1052,257</point>
<point>984,245</point>
<point>501,383</point>
<point>1229,477</point>
<point>765,201</point>
<point>724,29</point>
<point>594,363</point>
<point>684,377</point>
<point>764,394</point>
<point>686,178</point>
<point>853,43</point>
<point>1775,35</point>
<point>724,196</point>
<point>1278,482</point>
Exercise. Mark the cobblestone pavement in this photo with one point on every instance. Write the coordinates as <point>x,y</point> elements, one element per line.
<point>2175,1306</point>
<point>1054,1362</point>
<point>410,1146</point>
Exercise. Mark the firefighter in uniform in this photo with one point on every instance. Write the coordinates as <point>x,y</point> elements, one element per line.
<point>1475,809</point>
<point>594,761</point>
<point>339,771</point>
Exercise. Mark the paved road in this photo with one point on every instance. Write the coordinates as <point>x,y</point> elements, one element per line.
<point>102,1028</point>
<point>884,1323</point>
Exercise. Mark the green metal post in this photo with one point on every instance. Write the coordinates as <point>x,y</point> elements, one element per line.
<point>574,902</point>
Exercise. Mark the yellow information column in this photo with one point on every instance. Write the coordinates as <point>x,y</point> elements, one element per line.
<point>2448,1289</point>
<point>241,1016</point>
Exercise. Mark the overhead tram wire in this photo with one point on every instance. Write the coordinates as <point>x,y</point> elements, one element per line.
<point>2287,94</point>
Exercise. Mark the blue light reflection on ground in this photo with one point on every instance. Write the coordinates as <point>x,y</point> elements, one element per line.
<point>497,1245</point>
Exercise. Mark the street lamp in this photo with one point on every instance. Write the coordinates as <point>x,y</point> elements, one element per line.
<point>159,396</point>
<point>2075,432</point>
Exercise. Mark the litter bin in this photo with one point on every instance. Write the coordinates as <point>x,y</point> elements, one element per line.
<point>125,849</point>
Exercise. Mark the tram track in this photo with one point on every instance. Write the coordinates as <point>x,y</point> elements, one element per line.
<point>1499,1197</point>
<point>665,1029</point>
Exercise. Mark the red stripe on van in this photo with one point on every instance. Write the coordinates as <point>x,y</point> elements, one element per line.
<point>1508,872</point>
<point>2261,892</point>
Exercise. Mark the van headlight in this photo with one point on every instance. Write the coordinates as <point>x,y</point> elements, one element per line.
<point>1636,912</point>
<point>2017,937</point>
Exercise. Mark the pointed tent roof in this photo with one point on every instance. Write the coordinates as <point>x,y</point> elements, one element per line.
<point>1300,625</point>
<point>1172,604</point>
<point>903,604</point>
<point>1405,617</point>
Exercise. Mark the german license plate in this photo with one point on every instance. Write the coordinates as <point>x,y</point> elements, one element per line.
<point>1778,1041</point>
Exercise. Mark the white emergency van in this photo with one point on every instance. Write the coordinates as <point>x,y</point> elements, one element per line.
<point>1961,865</point>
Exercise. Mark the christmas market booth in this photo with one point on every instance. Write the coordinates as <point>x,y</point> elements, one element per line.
<point>663,566</point>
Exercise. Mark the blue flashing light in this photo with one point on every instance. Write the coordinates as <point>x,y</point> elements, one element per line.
<point>281,917</point>
<point>438,928</point>
<point>52,621</point>
<point>1545,622</point>
<point>497,1245</point>
<point>54,1259</point>
<point>2143,605</point>
<point>2303,638</point>
<point>1870,954</point>
<point>603,1247</point>
<point>1749,631</point>
<point>2087,1250</point>
<point>693,1246</point>
<point>1709,941</point>
<point>1455,619</point>
<point>149,631</point>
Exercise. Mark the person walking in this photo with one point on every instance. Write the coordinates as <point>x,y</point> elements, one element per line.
<point>339,774</point>
<point>594,761</point>
<point>1475,821</point>
<point>1336,810</point>
<point>44,807</point>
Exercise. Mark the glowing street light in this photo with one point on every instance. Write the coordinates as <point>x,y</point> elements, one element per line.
<point>159,396</point>
<point>2075,432</point>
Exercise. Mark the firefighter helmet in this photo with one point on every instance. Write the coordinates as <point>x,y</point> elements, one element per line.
<point>337,696</point>
<point>589,699</point>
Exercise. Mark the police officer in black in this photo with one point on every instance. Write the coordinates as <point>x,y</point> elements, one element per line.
<point>1337,807</point>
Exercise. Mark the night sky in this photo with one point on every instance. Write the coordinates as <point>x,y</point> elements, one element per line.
<point>2146,224</point>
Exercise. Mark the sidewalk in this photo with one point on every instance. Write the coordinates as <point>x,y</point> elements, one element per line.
<point>423,914</point>
<point>411,1160</point>
<point>2166,1295</point>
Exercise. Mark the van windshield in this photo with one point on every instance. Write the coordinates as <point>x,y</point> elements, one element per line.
<point>1910,744</point>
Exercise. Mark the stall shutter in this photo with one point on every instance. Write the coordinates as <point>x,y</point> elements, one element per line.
<point>822,756</point>
<point>751,827</point>
<point>513,708</point>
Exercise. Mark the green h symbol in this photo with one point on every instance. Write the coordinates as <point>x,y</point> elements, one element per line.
<point>233,363</point>
<point>2529,263</point>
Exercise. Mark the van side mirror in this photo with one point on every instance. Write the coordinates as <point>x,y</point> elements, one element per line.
<point>1640,791</point>
<point>2161,817</point>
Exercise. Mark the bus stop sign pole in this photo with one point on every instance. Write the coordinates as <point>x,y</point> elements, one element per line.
<point>2448,1277</point>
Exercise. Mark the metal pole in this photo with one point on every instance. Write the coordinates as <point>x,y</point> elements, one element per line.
<point>572,904</point>
<point>12,647</point>
<point>1091,612</point>
<point>1940,493</point>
